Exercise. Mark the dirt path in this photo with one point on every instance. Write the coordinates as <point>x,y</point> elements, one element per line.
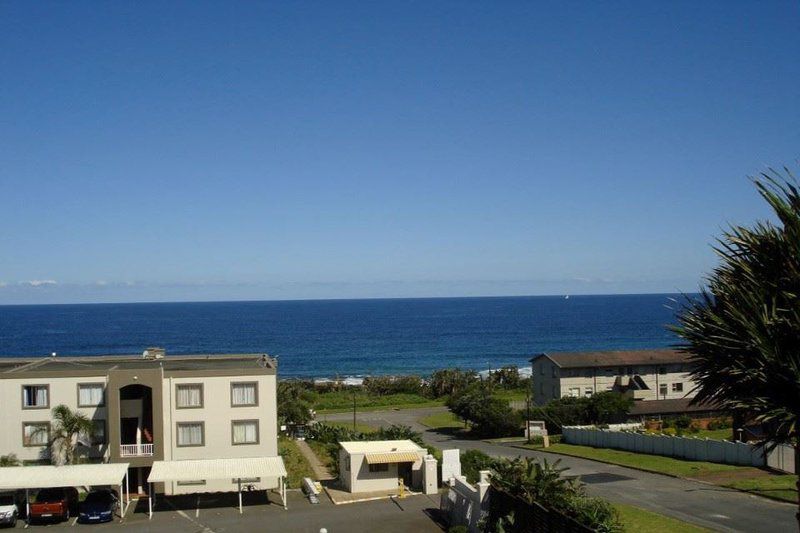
<point>320,471</point>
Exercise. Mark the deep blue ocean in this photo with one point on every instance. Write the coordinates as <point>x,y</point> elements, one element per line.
<point>325,338</point>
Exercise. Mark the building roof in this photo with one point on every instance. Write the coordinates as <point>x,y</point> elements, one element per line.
<point>615,358</point>
<point>243,467</point>
<point>380,446</point>
<point>40,477</point>
<point>669,407</point>
<point>100,365</point>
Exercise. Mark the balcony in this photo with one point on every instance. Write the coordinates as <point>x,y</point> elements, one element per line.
<point>136,450</point>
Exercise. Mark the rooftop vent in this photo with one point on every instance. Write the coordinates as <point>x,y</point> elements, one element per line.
<point>154,353</point>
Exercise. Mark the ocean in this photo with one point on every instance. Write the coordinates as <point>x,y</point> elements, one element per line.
<point>327,338</point>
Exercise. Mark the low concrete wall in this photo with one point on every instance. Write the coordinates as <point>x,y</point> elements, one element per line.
<point>464,504</point>
<point>782,458</point>
<point>695,449</point>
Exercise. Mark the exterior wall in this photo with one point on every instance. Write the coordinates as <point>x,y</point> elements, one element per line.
<point>62,391</point>
<point>217,415</point>
<point>359,479</point>
<point>550,382</point>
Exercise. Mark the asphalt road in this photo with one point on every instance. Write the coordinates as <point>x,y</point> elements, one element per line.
<point>710,506</point>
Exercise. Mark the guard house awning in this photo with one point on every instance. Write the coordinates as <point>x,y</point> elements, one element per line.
<point>391,457</point>
<point>236,468</point>
<point>40,477</point>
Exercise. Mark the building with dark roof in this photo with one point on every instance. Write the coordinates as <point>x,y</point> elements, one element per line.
<point>645,375</point>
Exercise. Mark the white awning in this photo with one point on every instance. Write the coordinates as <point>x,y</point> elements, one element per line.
<point>40,477</point>
<point>191,470</point>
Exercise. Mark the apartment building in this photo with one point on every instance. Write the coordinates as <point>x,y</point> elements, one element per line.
<point>642,374</point>
<point>146,408</point>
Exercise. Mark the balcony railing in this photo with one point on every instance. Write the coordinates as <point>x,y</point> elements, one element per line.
<point>136,450</point>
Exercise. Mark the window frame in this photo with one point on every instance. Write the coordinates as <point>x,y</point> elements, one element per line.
<point>190,423</point>
<point>90,384</point>
<point>248,420</point>
<point>202,395</point>
<point>677,386</point>
<point>36,423</point>
<point>378,468</point>
<point>255,384</point>
<point>22,399</point>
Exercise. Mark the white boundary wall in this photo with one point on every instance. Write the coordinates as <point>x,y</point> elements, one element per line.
<point>782,458</point>
<point>695,449</point>
<point>464,504</point>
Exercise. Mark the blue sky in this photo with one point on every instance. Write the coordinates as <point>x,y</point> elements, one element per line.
<point>206,151</point>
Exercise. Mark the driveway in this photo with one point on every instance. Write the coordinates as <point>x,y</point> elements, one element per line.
<point>706,505</point>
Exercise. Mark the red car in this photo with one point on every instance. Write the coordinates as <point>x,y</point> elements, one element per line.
<point>54,504</point>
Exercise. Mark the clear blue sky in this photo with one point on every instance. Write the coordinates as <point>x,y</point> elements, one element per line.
<point>242,150</point>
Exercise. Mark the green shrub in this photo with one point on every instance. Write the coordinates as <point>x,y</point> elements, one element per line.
<point>683,422</point>
<point>472,462</point>
<point>457,529</point>
<point>595,513</point>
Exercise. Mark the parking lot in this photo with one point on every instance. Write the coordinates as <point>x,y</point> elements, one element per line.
<point>219,513</point>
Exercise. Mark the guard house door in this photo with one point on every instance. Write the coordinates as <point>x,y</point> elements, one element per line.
<point>128,429</point>
<point>404,472</point>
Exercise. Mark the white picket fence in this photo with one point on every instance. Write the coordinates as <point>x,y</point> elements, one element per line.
<point>693,448</point>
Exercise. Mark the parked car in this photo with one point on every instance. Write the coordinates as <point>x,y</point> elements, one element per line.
<point>8,510</point>
<point>99,506</point>
<point>54,504</point>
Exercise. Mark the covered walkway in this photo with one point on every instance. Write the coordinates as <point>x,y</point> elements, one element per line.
<point>238,469</point>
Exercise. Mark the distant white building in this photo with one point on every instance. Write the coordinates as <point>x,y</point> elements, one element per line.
<point>641,374</point>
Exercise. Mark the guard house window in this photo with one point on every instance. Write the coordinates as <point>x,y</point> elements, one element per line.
<point>35,433</point>
<point>245,431</point>
<point>244,394</point>
<point>189,396</point>
<point>383,467</point>
<point>36,396</point>
<point>90,394</point>
<point>662,389</point>
<point>677,387</point>
<point>191,434</point>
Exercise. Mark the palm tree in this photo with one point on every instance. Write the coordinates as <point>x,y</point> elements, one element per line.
<point>743,333</point>
<point>69,426</point>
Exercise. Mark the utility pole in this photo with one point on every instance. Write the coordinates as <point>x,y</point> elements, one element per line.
<point>528,412</point>
<point>354,409</point>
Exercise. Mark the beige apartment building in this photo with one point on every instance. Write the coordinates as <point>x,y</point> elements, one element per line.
<point>642,374</point>
<point>146,408</point>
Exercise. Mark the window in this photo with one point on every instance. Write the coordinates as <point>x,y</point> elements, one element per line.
<point>90,394</point>
<point>555,371</point>
<point>245,432</point>
<point>588,392</point>
<point>575,392</point>
<point>677,387</point>
<point>244,394</point>
<point>192,482</point>
<point>35,433</point>
<point>191,434</point>
<point>189,396</point>
<point>379,468</point>
<point>35,396</point>
<point>662,389</point>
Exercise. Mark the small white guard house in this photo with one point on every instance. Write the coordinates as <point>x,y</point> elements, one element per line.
<point>368,466</point>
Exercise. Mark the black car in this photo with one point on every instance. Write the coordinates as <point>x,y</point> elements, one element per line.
<point>99,506</point>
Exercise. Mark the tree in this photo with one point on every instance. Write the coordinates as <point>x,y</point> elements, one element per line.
<point>68,427</point>
<point>609,407</point>
<point>294,403</point>
<point>742,334</point>
<point>451,380</point>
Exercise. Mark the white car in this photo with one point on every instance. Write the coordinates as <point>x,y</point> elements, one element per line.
<point>8,510</point>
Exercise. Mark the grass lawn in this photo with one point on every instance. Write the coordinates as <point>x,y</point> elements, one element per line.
<point>342,401</point>
<point>781,486</point>
<point>296,465</point>
<point>635,519</point>
<point>746,478</point>
<point>442,420</point>
<point>510,394</point>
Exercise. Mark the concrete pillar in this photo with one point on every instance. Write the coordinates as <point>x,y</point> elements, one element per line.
<point>430,478</point>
